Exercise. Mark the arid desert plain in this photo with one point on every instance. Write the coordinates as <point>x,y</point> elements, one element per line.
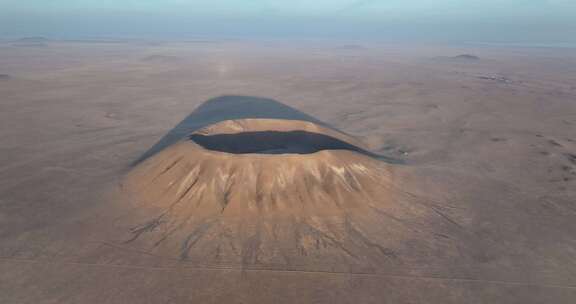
<point>286,172</point>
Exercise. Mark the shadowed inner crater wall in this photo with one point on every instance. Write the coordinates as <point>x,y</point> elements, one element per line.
<point>272,142</point>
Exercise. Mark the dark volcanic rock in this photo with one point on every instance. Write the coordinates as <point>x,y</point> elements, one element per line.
<point>497,78</point>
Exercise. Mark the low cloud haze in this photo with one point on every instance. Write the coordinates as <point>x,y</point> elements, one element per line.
<point>511,21</point>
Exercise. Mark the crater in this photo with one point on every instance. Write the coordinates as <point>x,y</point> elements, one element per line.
<point>254,189</point>
<point>272,142</point>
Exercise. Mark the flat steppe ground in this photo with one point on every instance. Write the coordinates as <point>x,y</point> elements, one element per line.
<point>490,142</point>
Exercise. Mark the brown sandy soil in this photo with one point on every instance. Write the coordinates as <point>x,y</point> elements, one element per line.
<point>467,171</point>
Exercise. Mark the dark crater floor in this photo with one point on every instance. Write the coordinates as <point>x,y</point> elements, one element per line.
<point>272,142</point>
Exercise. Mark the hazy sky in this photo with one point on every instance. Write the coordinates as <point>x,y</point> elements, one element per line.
<point>538,21</point>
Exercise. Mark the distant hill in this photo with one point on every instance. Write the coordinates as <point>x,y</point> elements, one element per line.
<point>351,47</point>
<point>162,59</point>
<point>462,58</point>
<point>32,42</point>
<point>466,57</point>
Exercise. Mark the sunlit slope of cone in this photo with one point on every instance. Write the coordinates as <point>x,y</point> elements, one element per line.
<point>325,202</point>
